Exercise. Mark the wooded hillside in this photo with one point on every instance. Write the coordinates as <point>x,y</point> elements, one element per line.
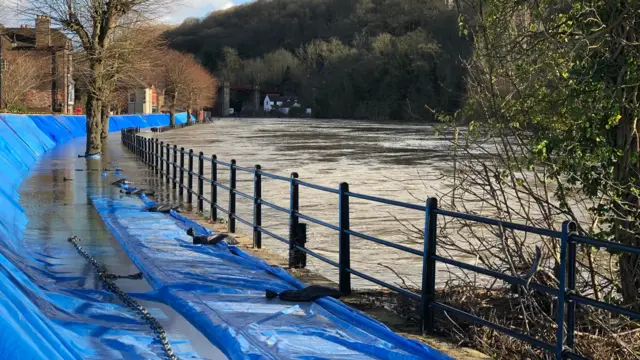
<point>375,59</point>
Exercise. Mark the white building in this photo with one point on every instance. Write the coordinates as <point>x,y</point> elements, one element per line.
<point>282,103</point>
<point>140,101</point>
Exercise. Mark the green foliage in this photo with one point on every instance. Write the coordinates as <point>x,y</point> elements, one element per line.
<point>562,78</point>
<point>17,109</point>
<point>230,65</point>
<point>296,112</point>
<point>370,59</point>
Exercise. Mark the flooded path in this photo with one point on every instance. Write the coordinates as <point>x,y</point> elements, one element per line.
<point>56,199</point>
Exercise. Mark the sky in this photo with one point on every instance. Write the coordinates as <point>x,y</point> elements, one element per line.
<point>199,9</point>
<point>188,8</point>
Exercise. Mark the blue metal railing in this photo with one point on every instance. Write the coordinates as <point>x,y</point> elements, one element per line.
<point>152,152</point>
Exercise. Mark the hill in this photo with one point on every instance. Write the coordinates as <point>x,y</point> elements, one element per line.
<point>375,59</point>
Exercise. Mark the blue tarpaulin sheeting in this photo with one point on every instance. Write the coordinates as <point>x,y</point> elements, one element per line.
<point>157,119</point>
<point>77,125</point>
<point>39,320</point>
<point>52,128</point>
<point>221,290</point>
<point>28,131</point>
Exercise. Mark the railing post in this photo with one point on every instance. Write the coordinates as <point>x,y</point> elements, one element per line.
<point>156,158</point>
<point>161,160</point>
<point>181,182</point>
<point>571,275</point>
<point>201,181</point>
<point>429,265</point>
<point>294,207</point>
<point>213,210</point>
<point>562,290</point>
<point>232,197</point>
<point>168,167</point>
<point>344,245</point>
<point>190,178</point>
<point>175,166</point>
<point>257,207</point>
<point>145,147</point>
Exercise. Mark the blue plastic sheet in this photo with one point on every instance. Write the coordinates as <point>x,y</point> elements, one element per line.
<point>16,152</point>
<point>157,120</point>
<point>118,123</point>
<point>181,118</point>
<point>50,126</point>
<point>47,312</point>
<point>221,290</point>
<point>36,323</point>
<point>29,133</point>
<point>77,125</point>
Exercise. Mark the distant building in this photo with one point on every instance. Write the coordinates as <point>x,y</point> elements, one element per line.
<point>140,101</point>
<point>50,49</point>
<point>144,99</point>
<point>281,103</point>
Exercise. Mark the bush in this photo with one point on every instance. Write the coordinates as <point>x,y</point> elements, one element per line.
<point>17,109</point>
<point>297,112</point>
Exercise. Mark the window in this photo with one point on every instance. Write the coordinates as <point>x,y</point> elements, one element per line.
<point>132,97</point>
<point>3,65</point>
<point>71,92</point>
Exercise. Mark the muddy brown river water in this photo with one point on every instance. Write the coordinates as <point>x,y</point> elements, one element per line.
<point>389,160</point>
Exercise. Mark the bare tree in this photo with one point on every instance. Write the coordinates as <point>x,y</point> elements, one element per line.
<point>176,65</point>
<point>187,83</point>
<point>23,74</point>
<point>201,89</point>
<point>96,25</point>
<point>131,61</point>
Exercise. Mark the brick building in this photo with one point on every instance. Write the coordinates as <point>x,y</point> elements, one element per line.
<point>37,67</point>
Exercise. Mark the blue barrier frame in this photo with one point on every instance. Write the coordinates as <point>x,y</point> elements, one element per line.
<point>563,348</point>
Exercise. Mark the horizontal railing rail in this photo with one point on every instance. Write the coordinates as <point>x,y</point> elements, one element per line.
<point>158,156</point>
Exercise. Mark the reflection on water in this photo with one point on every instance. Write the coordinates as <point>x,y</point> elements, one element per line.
<point>389,160</point>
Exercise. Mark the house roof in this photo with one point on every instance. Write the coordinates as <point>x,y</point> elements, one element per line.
<point>26,37</point>
<point>284,99</point>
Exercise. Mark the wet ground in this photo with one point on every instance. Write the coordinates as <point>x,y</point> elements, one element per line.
<point>56,200</point>
<point>395,161</point>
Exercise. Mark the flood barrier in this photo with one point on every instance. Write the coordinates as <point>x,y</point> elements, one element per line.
<point>221,290</point>
<point>39,320</point>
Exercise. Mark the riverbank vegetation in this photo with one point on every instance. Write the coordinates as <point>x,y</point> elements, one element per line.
<point>552,107</point>
<point>363,59</point>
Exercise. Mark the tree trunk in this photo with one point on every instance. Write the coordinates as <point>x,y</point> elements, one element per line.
<point>94,110</point>
<point>94,125</point>
<point>106,111</point>
<point>627,169</point>
<point>172,110</point>
<point>626,226</point>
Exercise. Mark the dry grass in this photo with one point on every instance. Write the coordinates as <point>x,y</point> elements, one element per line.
<point>599,335</point>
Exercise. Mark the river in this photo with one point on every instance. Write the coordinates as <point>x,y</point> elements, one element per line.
<point>391,160</point>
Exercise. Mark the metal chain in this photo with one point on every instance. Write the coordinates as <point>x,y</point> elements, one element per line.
<point>137,276</point>
<point>107,280</point>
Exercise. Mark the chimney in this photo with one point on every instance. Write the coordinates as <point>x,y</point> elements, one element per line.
<point>43,31</point>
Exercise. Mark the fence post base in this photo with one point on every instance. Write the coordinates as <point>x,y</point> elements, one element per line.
<point>298,258</point>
